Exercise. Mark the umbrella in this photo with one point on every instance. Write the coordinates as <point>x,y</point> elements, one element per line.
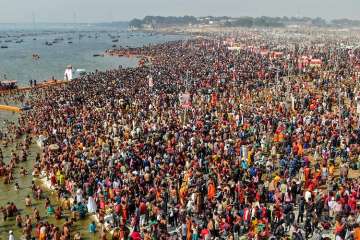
<point>54,147</point>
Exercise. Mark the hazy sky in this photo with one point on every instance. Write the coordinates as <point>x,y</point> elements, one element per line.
<point>114,10</point>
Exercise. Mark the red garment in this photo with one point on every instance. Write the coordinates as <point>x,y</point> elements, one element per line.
<point>339,228</point>
<point>213,99</point>
<point>124,214</point>
<point>247,215</point>
<point>143,208</point>
<point>352,203</point>
<point>102,204</point>
<point>117,209</point>
<point>135,236</point>
<point>307,173</point>
<point>258,196</point>
<point>204,232</point>
<point>264,212</point>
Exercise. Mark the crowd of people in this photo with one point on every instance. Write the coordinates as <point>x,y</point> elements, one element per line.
<point>263,149</point>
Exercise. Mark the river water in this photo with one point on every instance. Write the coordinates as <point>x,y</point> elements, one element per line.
<point>16,60</point>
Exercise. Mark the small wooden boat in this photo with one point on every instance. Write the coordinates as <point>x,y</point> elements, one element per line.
<point>35,56</point>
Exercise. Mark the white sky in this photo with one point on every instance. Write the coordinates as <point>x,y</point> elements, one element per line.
<point>117,10</point>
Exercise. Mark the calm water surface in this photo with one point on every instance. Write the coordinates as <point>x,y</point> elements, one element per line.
<point>16,61</point>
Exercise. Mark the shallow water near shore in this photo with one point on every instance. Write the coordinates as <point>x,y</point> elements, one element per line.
<point>10,194</point>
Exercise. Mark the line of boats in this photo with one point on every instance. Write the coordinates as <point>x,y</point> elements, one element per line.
<point>115,38</point>
<point>10,41</point>
<point>57,40</point>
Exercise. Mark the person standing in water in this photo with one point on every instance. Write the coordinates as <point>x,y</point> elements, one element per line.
<point>92,228</point>
<point>11,235</point>
<point>28,201</point>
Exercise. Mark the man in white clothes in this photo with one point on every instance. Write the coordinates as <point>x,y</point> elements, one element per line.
<point>307,196</point>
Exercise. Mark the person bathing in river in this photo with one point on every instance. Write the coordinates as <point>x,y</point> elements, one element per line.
<point>58,213</point>
<point>23,172</point>
<point>50,210</point>
<point>11,209</point>
<point>36,215</point>
<point>7,179</point>
<point>28,201</point>
<point>19,221</point>
<point>4,213</point>
<point>66,203</point>
<point>47,203</point>
<point>38,193</point>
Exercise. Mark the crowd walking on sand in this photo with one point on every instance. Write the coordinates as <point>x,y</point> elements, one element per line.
<point>207,141</point>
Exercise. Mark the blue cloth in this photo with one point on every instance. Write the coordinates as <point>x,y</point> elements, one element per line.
<point>244,165</point>
<point>92,228</point>
<point>252,171</point>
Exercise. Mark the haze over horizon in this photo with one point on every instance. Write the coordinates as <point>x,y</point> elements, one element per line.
<point>67,11</point>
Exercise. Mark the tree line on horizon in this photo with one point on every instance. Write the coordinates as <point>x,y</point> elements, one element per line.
<point>160,21</point>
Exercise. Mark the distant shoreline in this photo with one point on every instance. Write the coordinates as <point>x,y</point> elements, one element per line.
<point>212,29</point>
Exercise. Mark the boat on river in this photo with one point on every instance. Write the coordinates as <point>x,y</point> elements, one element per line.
<point>8,84</point>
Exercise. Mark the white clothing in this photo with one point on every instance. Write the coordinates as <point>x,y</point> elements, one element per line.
<point>79,197</point>
<point>91,205</point>
<point>307,196</point>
